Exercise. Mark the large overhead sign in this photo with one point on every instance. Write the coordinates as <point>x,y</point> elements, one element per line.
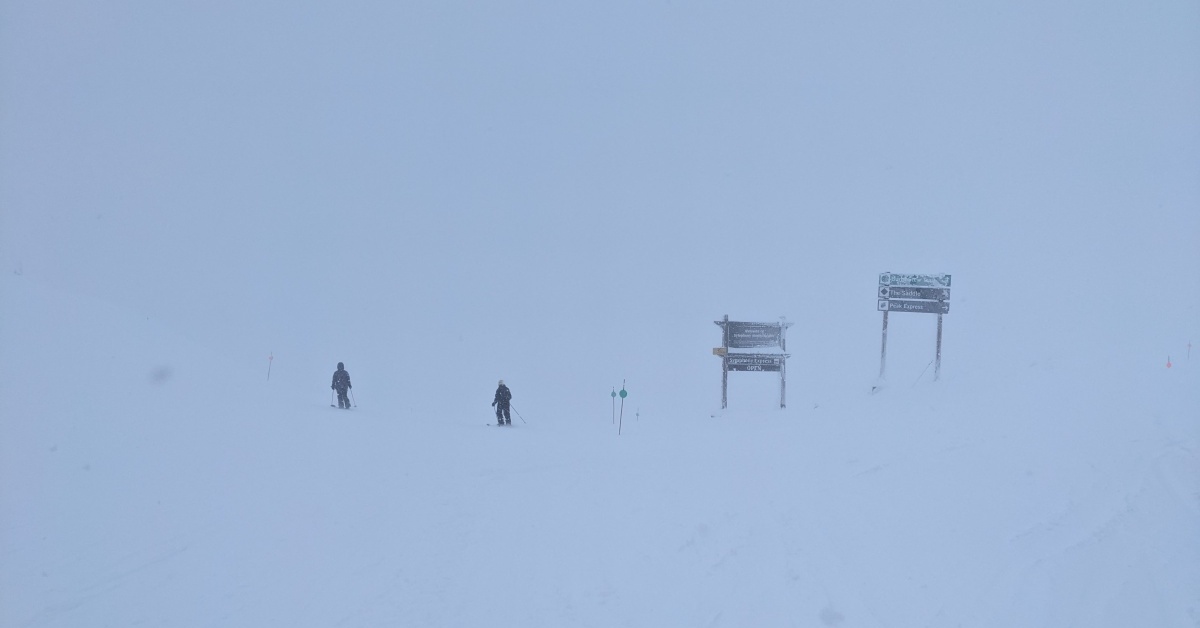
<point>744,335</point>
<point>920,294</point>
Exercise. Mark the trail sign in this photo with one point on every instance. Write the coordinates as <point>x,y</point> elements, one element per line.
<point>924,294</point>
<point>748,335</point>
<point>897,279</point>
<point>926,307</point>
<point>904,292</point>
<point>755,361</point>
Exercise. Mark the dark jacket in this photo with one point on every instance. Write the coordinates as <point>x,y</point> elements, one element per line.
<point>341,379</point>
<point>503,396</point>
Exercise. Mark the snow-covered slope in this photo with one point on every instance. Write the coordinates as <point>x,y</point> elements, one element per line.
<point>566,196</point>
<point>146,480</point>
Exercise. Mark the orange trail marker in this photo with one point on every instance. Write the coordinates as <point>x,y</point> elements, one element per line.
<point>1168,361</point>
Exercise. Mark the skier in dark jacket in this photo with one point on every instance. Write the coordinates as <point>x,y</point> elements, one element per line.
<point>501,403</point>
<point>341,383</point>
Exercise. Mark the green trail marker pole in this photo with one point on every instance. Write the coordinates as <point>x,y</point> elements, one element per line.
<point>623,396</point>
<point>614,404</point>
<point>270,359</point>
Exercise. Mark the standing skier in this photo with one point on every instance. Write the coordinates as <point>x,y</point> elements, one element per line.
<point>500,402</point>
<point>341,383</point>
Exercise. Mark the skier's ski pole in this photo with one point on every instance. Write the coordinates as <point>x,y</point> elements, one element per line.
<point>331,399</point>
<point>514,409</point>
<point>352,398</point>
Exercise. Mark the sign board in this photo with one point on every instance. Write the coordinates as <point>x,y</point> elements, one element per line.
<point>898,279</point>
<point>755,361</point>
<point>904,292</point>
<point>755,335</point>
<point>924,307</point>
<point>746,335</point>
<point>756,368</point>
<point>924,294</point>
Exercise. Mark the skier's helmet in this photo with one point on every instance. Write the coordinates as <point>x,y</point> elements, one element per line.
<point>341,366</point>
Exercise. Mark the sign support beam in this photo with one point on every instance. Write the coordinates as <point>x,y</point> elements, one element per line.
<point>783,367</point>
<point>725,364</point>
<point>937,364</point>
<point>883,349</point>
<point>783,385</point>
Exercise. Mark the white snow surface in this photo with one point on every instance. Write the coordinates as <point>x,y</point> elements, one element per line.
<point>147,480</point>
<point>566,196</point>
